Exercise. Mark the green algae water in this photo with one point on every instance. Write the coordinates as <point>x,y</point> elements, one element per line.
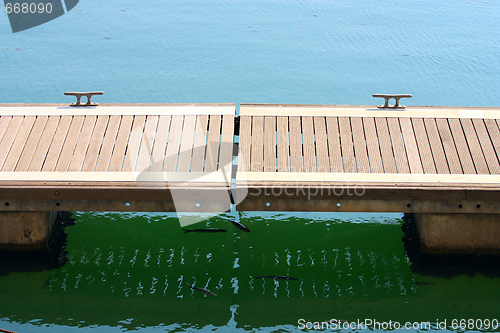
<point>129,272</point>
<point>132,274</point>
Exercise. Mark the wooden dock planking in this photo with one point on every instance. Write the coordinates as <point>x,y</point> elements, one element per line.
<point>31,144</point>
<point>160,144</point>
<point>450,150</point>
<point>134,143</point>
<point>44,144</point>
<point>461,146</point>
<point>409,156</point>
<point>4,124</point>
<point>437,148</point>
<point>76,162</point>
<point>226,146</point>
<point>257,144</point>
<point>19,143</point>
<point>244,145</point>
<point>270,144</point>
<point>118,155</point>
<point>412,152</point>
<point>283,149</point>
<point>200,139</point>
<point>321,144</point>
<point>56,145</point>
<point>475,148</point>
<point>95,143</point>
<point>296,159</point>
<point>347,145</point>
<point>386,148</point>
<point>360,150</point>
<point>334,148</point>
<point>400,158</point>
<point>187,143</point>
<point>423,145</point>
<point>108,143</point>
<point>213,144</point>
<point>309,147</point>
<point>147,142</point>
<point>486,146</point>
<point>398,146</point>
<point>372,145</point>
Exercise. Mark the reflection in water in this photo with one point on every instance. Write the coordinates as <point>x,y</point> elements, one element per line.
<point>140,267</point>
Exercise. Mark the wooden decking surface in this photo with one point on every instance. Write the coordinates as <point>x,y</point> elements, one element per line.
<point>419,153</point>
<point>290,157</point>
<point>74,151</point>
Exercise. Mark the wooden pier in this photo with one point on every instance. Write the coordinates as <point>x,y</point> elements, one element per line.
<point>364,159</point>
<point>432,161</point>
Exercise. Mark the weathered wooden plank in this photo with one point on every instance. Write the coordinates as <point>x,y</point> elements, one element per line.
<point>424,147</point>
<point>118,156</point>
<point>360,150</point>
<point>295,145</point>
<point>108,143</point>
<point>474,146</point>
<point>398,146</point>
<point>187,142</point>
<point>257,149</point>
<point>200,142</point>
<point>334,148</point>
<point>120,109</point>
<point>270,144</point>
<point>461,146</point>
<point>57,143</point>
<point>173,144</point>
<point>244,143</point>
<point>213,144</point>
<point>76,162</point>
<point>362,111</point>
<point>44,143</point>
<point>95,143</point>
<point>386,150</point>
<point>4,124</point>
<point>308,144</point>
<point>283,144</point>
<point>411,148</point>
<point>487,146</point>
<point>134,143</point>
<point>436,145</point>
<point>372,145</point>
<point>493,130</point>
<point>226,147</point>
<point>31,144</point>
<point>147,144</point>
<point>449,146</point>
<point>18,144</point>
<point>347,145</point>
<point>321,144</point>
<point>160,144</point>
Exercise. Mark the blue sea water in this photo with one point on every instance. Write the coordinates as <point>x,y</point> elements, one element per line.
<point>128,271</point>
<point>295,51</point>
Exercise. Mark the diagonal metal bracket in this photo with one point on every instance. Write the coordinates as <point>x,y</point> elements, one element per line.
<point>86,94</point>
<point>396,98</point>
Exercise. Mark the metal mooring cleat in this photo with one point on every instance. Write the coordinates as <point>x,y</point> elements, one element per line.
<point>396,97</point>
<point>86,94</point>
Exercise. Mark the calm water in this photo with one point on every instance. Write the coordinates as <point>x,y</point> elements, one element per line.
<point>291,51</point>
<point>129,271</point>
